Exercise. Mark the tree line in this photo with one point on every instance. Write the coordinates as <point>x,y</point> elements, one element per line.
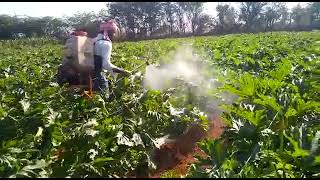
<point>146,20</point>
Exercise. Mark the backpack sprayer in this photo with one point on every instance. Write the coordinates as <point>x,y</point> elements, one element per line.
<point>78,64</point>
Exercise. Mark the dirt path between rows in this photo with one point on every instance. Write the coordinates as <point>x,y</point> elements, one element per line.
<point>178,155</point>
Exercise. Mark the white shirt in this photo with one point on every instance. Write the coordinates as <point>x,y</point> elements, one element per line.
<point>103,48</point>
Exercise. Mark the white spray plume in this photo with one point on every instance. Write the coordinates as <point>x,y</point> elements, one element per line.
<point>182,65</point>
<point>188,66</point>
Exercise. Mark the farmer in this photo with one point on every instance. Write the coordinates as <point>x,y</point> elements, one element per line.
<point>102,54</point>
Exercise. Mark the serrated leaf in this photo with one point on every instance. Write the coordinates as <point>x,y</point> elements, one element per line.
<point>298,152</point>
<point>268,101</point>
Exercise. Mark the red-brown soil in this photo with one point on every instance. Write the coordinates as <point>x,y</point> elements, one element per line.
<point>178,154</point>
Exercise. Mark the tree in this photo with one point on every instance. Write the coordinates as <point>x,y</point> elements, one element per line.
<point>301,16</point>
<point>250,13</point>
<point>222,13</point>
<point>87,21</point>
<point>102,15</point>
<point>226,17</point>
<point>297,13</point>
<point>284,15</point>
<point>169,11</point>
<point>196,8</point>
<point>205,24</point>
<point>193,11</point>
<point>56,27</point>
<point>315,12</point>
<point>124,13</point>
<point>6,26</point>
<point>152,11</point>
<point>180,13</point>
<point>272,13</point>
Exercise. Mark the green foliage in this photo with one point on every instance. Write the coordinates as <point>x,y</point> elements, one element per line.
<point>51,131</point>
<point>170,174</point>
<point>273,129</point>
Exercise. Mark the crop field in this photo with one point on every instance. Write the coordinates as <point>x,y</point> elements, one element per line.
<point>272,120</point>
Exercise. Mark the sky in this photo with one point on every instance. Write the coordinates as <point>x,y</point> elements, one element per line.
<point>60,9</point>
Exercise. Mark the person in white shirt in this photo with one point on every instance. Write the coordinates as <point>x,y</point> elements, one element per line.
<point>102,54</point>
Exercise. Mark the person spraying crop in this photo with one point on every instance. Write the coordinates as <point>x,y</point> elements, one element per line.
<point>86,58</point>
<point>102,54</point>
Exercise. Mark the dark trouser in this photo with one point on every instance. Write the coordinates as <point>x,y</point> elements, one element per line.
<point>101,82</point>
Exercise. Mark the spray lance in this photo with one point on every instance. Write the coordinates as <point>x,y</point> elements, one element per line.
<point>132,74</point>
<point>134,70</point>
